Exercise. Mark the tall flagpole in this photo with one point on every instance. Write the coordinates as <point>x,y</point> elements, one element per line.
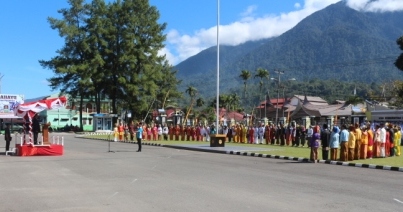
<point>218,66</point>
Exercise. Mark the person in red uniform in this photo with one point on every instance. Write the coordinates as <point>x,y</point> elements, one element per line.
<point>251,134</point>
<point>183,132</point>
<point>155,132</point>
<point>177,132</point>
<point>198,134</point>
<point>171,132</point>
<point>193,133</point>
<point>188,133</point>
<point>267,134</point>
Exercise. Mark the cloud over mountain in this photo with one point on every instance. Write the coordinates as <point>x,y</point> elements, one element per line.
<point>250,28</point>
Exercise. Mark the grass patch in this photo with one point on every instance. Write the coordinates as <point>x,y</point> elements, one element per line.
<point>276,150</point>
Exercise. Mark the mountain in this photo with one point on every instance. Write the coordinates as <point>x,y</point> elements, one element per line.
<point>334,43</point>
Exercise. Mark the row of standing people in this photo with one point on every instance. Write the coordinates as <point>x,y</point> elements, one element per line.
<point>355,142</point>
<point>239,133</point>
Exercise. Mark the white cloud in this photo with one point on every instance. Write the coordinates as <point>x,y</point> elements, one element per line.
<point>376,5</point>
<point>249,27</point>
<point>297,5</point>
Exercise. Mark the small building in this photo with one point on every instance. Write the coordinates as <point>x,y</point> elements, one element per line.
<point>69,117</point>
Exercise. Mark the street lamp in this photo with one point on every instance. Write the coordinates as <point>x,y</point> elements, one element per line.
<point>279,73</point>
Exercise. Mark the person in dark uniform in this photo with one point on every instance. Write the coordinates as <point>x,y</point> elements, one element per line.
<point>36,128</point>
<point>7,136</point>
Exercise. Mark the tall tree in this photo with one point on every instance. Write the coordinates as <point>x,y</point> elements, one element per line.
<point>113,50</point>
<point>71,64</point>
<point>245,75</point>
<point>192,92</point>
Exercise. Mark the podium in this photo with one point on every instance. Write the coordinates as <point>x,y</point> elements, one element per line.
<point>45,134</point>
<point>217,140</point>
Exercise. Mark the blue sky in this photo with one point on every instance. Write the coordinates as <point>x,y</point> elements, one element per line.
<point>26,37</point>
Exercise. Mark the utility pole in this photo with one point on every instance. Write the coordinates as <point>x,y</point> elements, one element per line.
<point>279,73</point>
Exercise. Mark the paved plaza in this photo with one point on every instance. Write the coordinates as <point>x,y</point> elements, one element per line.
<point>89,178</point>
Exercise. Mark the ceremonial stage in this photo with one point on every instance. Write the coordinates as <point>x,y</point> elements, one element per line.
<point>39,150</point>
<point>46,147</point>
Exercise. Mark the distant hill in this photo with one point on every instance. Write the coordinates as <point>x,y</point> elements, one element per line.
<point>335,43</point>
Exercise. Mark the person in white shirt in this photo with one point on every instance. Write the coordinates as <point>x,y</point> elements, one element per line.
<point>309,134</point>
<point>260,134</point>
<point>382,140</point>
<point>165,132</point>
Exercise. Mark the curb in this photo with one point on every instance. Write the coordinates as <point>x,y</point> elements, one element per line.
<point>252,154</point>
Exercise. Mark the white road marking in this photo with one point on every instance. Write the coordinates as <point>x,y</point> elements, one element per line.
<point>398,201</point>
<point>134,180</point>
<point>113,195</point>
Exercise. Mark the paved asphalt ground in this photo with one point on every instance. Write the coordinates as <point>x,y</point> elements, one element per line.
<point>89,178</point>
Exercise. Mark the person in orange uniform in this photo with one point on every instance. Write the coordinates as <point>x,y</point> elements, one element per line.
<point>370,146</point>
<point>251,134</point>
<point>149,132</point>
<point>144,131</point>
<point>121,131</point>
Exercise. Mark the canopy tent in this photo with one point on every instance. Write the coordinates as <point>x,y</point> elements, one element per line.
<point>30,109</point>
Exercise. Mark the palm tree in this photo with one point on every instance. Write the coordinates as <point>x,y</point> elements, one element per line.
<point>262,74</point>
<point>245,75</point>
<point>192,91</point>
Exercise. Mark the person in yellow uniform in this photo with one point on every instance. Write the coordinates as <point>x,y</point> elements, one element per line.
<point>364,143</point>
<point>244,134</point>
<point>396,140</point>
<point>237,134</point>
<point>357,148</point>
<point>351,143</point>
<point>241,134</point>
<point>115,133</point>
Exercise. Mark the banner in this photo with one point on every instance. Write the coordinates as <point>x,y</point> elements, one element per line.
<point>10,101</point>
